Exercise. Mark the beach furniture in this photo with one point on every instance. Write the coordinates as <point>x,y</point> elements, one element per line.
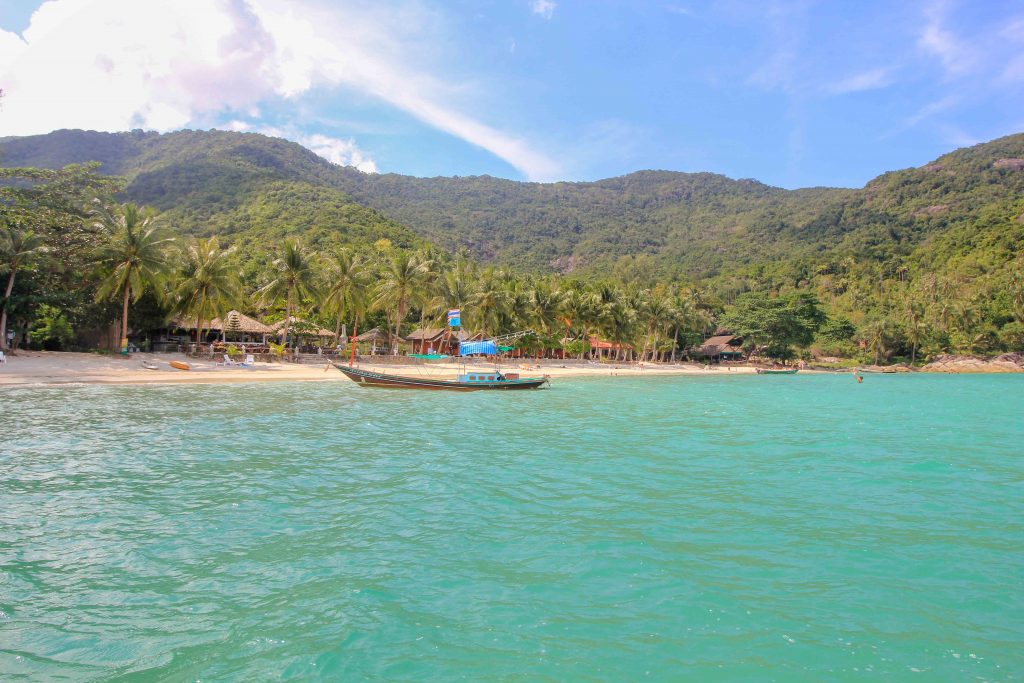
<point>249,361</point>
<point>3,357</point>
<point>227,361</point>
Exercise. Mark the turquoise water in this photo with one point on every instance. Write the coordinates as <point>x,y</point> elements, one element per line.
<point>758,528</point>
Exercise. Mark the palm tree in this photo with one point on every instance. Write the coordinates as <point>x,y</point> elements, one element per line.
<point>346,284</point>
<point>295,277</point>
<point>17,247</point>
<point>403,274</point>
<point>490,301</point>
<point>208,285</point>
<point>134,258</point>
<point>915,328</point>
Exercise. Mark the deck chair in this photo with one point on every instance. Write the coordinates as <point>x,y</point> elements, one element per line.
<point>249,361</point>
<point>3,357</point>
<point>227,361</point>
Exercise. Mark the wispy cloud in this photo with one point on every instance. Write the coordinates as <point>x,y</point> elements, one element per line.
<point>866,80</point>
<point>937,40</point>
<point>164,64</point>
<point>543,8</point>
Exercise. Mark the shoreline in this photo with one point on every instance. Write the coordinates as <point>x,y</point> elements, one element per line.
<point>56,368</point>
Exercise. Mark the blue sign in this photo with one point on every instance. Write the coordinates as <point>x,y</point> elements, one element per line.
<point>454,318</point>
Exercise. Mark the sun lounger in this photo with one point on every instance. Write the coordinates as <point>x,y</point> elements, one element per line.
<point>3,357</point>
<point>227,361</point>
<point>249,361</point>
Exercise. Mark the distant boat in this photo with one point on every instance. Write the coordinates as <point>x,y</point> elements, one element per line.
<point>469,381</point>
<point>772,371</point>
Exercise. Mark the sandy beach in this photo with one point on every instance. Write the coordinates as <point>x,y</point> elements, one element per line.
<point>57,368</point>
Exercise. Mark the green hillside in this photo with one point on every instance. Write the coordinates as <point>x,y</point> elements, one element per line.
<point>925,259</point>
<point>693,225</point>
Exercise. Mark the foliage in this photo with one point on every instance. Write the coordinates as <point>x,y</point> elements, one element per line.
<point>51,328</point>
<point>774,325</point>
<point>924,260</point>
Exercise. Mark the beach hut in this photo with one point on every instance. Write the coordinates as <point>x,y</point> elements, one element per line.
<point>720,347</point>
<point>303,330</point>
<point>439,340</point>
<point>381,343</point>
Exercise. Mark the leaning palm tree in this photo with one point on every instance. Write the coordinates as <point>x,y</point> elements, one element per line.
<point>208,285</point>
<point>17,247</point>
<point>346,284</point>
<point>294,277</point>
<point>402,276</point>
<point>133,258</point>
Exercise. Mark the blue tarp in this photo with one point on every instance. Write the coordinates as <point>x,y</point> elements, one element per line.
<point>488,348</point>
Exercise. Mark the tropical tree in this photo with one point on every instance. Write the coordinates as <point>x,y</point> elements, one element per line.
<point>490,301</point>
<point>207,285</point>
<point>345,290</point>
<point>294,278</point>
<point>133,258</point>
<point>775,323</point>
<point>401,278</point>
<point>18,246</point>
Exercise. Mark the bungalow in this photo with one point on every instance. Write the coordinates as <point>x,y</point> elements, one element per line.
<point>720,347</point>
<point>439,340</point>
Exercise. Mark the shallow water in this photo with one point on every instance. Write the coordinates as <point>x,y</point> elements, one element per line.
<point>734,528</point>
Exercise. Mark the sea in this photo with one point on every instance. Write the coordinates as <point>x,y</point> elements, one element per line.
<point>726,528</point>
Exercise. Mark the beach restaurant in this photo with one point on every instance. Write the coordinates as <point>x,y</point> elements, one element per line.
<point>237,328</point>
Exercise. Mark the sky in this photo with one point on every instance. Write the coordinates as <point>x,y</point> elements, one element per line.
<point>794,93</point>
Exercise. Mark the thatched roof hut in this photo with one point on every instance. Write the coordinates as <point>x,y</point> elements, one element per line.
<point>720,345</point>
<point>377,336</point>
<point>299,326</point>
<point>236,322</point>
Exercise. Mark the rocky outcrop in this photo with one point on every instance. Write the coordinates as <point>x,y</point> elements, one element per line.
<point>1012,164</point>
<point>1008,362</point>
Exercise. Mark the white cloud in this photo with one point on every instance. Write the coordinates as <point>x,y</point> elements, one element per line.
<point>343,152</point>
<point>956,56</point>
<point>866,80</point>
<point>544,8</point>
<point>162,64</point>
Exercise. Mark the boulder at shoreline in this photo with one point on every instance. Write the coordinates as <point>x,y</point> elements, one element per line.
<point>1007,362</point>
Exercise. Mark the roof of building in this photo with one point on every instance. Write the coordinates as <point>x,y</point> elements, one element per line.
<point>376,335</point>
<point>305,327</point>
<point>236,321</point>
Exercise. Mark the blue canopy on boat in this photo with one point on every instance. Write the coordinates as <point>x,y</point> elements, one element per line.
<point>488,348</point>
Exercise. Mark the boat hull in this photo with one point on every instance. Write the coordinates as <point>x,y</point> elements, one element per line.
<point>367,378</point>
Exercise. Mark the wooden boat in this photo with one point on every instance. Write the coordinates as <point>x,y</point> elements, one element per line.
<point>470,381</point>
<point>774,371</point>
<point>180,365</point>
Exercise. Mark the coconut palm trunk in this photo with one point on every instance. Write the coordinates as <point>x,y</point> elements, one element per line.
<point>3,315</point>
<point>124,319</point>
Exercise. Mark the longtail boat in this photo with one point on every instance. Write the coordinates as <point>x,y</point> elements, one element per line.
<point>776,371</point>
<point>469,381</point>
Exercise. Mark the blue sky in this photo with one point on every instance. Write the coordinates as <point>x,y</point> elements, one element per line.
<point>794,94</point>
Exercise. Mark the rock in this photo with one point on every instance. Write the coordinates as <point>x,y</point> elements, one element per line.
<point>1008,362</point>
<point>1012,164</point>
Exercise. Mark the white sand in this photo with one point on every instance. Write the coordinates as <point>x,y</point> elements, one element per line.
<point>55,368</point>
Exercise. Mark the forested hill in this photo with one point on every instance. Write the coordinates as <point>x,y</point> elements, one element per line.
<point>963,209</point>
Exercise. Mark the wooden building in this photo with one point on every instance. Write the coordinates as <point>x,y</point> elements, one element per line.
<point>720,347</point>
